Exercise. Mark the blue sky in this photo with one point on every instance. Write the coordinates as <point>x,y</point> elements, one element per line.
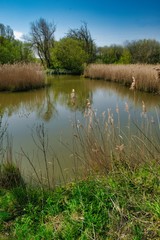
<point>109,21</point>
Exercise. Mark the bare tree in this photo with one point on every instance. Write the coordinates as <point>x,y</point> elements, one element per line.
<point>42,39</point>
<point>9,33</point>
<point>2,30</point>
<point>83,34</point>
<point>6,32</point>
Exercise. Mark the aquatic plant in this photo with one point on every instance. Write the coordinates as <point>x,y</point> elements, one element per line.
<point>103,143</point>
<point>21,77</point>
<point>146,77</point>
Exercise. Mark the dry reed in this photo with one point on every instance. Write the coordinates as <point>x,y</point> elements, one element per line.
<point>21,77</point>
<point>138,76</point>
<point>102,144</point>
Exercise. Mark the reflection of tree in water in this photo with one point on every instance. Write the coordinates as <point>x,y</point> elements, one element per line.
<point>122,91</point>
<point>39,101</point>
<point>44,102</point>
<point>26,101</point>
<point>79,102</point>
<point>62,89</point>
<point>48,108</point>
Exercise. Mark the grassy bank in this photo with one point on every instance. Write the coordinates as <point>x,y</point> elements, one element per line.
<point>116,197</point>
<point>116,191</point>
<point>21,77</point>
<point>122,205</point>
<point>147,77</point>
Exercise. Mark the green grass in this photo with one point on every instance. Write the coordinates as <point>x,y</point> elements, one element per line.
<point>122,205</point>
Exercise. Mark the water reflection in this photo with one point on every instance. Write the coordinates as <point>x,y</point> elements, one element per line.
<point>56,108</point>
<point>136,97</point>
<point>85,89</point>
<point>44,102</point>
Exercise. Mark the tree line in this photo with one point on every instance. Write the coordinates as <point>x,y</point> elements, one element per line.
<point>12,50</point>
<point>76,49</point>
<point>139,51</point>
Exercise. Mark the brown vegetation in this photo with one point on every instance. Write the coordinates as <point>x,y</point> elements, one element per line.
<point>21,77</point>
<point>146,77</point>
<point>104,143</point>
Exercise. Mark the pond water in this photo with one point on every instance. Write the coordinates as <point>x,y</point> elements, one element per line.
<point>55,110</point>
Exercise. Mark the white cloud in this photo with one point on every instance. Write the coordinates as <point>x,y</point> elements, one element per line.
<point>18,35</point>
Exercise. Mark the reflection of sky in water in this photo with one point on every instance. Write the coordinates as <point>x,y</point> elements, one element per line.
<point>54,109</point>
<point>21,126</point>
<point>104,100</point>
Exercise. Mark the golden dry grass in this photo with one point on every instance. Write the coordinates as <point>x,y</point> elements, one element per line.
<point>104,143</point>
<point>147,77</point>
<point>21,77</point>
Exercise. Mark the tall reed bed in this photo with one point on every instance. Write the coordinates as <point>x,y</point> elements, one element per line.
<point>144,77</point>
<point>104,143</point>
<point>21,77</point>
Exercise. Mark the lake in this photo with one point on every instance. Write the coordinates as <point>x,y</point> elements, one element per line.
<point>54,110</point>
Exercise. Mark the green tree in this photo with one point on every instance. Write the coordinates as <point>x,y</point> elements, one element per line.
<point>12,50</point>
<point>8,52</point>
<point>84,36</point>
<point>144,51</point>
<point>125,57</point>
<point>15,51</point>
<point>42,39</point>
<point>26,53</point>
<point>6,32</point>
<point>2,30</point>
<point>69,54</point>
<point>111,54</point>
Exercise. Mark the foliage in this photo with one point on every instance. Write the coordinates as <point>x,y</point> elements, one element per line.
<point>42,39</point>
<point>140,51</point>
<point>125,57</point>
<point>144,51</point>
<point>12,50</point>
<point>69,54</point>
<point>124,204</point>
<point>110,54</point>
<point>10,175</point>
<point>26,52</point>
<point>6,32</point>
<point>84,36</point>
